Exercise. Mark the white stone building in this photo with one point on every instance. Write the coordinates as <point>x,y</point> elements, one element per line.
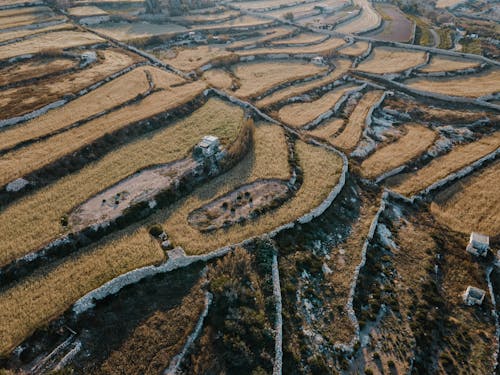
<point>479,244</point>
<point>474,296</point>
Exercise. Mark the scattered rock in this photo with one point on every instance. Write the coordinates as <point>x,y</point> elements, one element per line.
<point>17,185</point>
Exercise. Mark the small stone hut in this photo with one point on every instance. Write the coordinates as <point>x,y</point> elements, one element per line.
<point>478,244</point>
<point>474,296</point>
<point>318,60</point>
<point>208,146</point>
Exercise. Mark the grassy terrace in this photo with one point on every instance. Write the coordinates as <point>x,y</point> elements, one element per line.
<point>447,63</point>
<point>325,48</point>
<point>417,139</point>
<point>42,210</point>
<point>440,167</point>
<point>391,60</point>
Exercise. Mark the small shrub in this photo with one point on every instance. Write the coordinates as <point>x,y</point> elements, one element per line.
<point>155,230</point>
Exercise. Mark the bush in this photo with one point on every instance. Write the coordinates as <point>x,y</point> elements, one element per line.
<point>155,230</point>
<point>288,16</point>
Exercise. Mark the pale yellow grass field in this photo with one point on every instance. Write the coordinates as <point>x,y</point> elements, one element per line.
<point>257,77</point>
<point>391,60</point>
<point>23,33</point>
<point>447,3</point>
<point>218,78</point>
<point>130,31</point>
<point>328,130</point>
<point>355,49</point>
<point>26,16</point>
<point>60,39</point>
<point>472,204</point>
<point>261,4</point>
<point>34,69</point>
<point>300,114</point>
<point>417,139</point>
<point>188,59</point>
<point>349,138</point>
<point>341,67</point>
<point>86,11</point>
<point>42,210</point>
<point>266,35</point>
<point>469,86</point>
<point>25,160</point>
<point>367,20</point>
<point>111,94</point>
<point>240,22</point>
<point>21,100</point>
<point>440,167</point>
<point>300,39</point>
<point>325,48</point>
<point>446,64</point>
<point>30,11</point>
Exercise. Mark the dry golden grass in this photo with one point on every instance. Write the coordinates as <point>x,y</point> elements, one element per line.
<point>472,204</point>
<point>349,138</point>
<point>447,63</point>
<point>341,68</point>
<point>11,18</point>
<point>23,33</point>
<point>21,100</point>
<point>355,49</point>
<point>42,210</point>
<point>240,22</point>
<point>111,94</point>
<point>469,86</point>
<point>300,114</point>
<point>89,10</point>
<point>327,47</point>
<point>321,173</point>
<point>417,139</point>
<point>447,3</point>
<point>328,131</point>
<point>266,35</point>
<point>300,39</point>
<point>6,14</point>
<point>367,20</point>
<point>60,39</point>
<point>257,77</point>
<point>441,167</point>
<point>218,78</point>
<point>188,59</point>
<point>391,60</point>
<point>261,4</point>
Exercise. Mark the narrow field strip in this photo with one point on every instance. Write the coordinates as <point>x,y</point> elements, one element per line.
<point>328,130</point>
<point>188,59</point>
<point>12,36</point>
<point>442,166</point>
<point>267,35</point>
<point>21,100</point>
<point>417,139</point>
<point>28,159</point>
<point>42,210</point>
<point>356,49</point>
<point>366,21</point>
<point>341,67</point>
<point>303,38</point>
<point>107,96</point>
<point>300,114</point>
<point>349,138</point>
<point>324,48</point>
<point>448,63</point>
<point>391,60</point>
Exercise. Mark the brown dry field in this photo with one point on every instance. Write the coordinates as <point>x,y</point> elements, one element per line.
<point>442,166</point>
<point>58,39</point>
<point>111,94</point>
<point>34,68</point>
<point>417,139</point>
<point>16,17</point>
<point>327,47</point>
<point>21,100</point>
<point>266,35</point>
<point>355,49</point>
<point>471,204</point>
<point>300,114</point>
<point>24,33</point>
<point>328,130</point>
<point>447,63</point>
<point>240,22</point>
<point>42,210</point>
<point>218,78</point>
<point>391,60</point>
<point>258,77</point>
<point>25,160</point>
<point>300,39</point>
<point>367,20</point>
<point>471,86</point>
<point>188,59</point>
<point>341,67</point>
<point>261,4</point>
<point>349,138</point>
<point>89,10</point>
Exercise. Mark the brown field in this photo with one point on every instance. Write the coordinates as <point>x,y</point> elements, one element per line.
<point>300,114</point>
<point>188,59</point>
<point>367,20</point>
<point>391,60</point>
<point>130,31</point>
<point>261,4</point>
<point>111,94</point>
<point>59,40</point>
<point>341,68</point>
<point>355,49</point>
<point>257,77</point>
<point>440,167</point>
<point>447,63</point>
<point>20,100</point>
<point>25,160</point>
<point>12,18</point>
<point>218,78</point>
<point>240,22</point>
<point>417,139</point>
<point>86,11</point>
<point>471,86</point>
<point>265,35</point>
<point>349,138</point>
<point>328,131</point>
<point>327,47</point>
<point>300,39</point>
<point>471,204</point>
<point>447,3</point>
<point>42,210</point>
<point>34,68</point>
<point>6,36</point>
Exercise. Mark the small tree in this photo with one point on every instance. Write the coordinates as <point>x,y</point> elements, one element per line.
<point>288,16</point>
